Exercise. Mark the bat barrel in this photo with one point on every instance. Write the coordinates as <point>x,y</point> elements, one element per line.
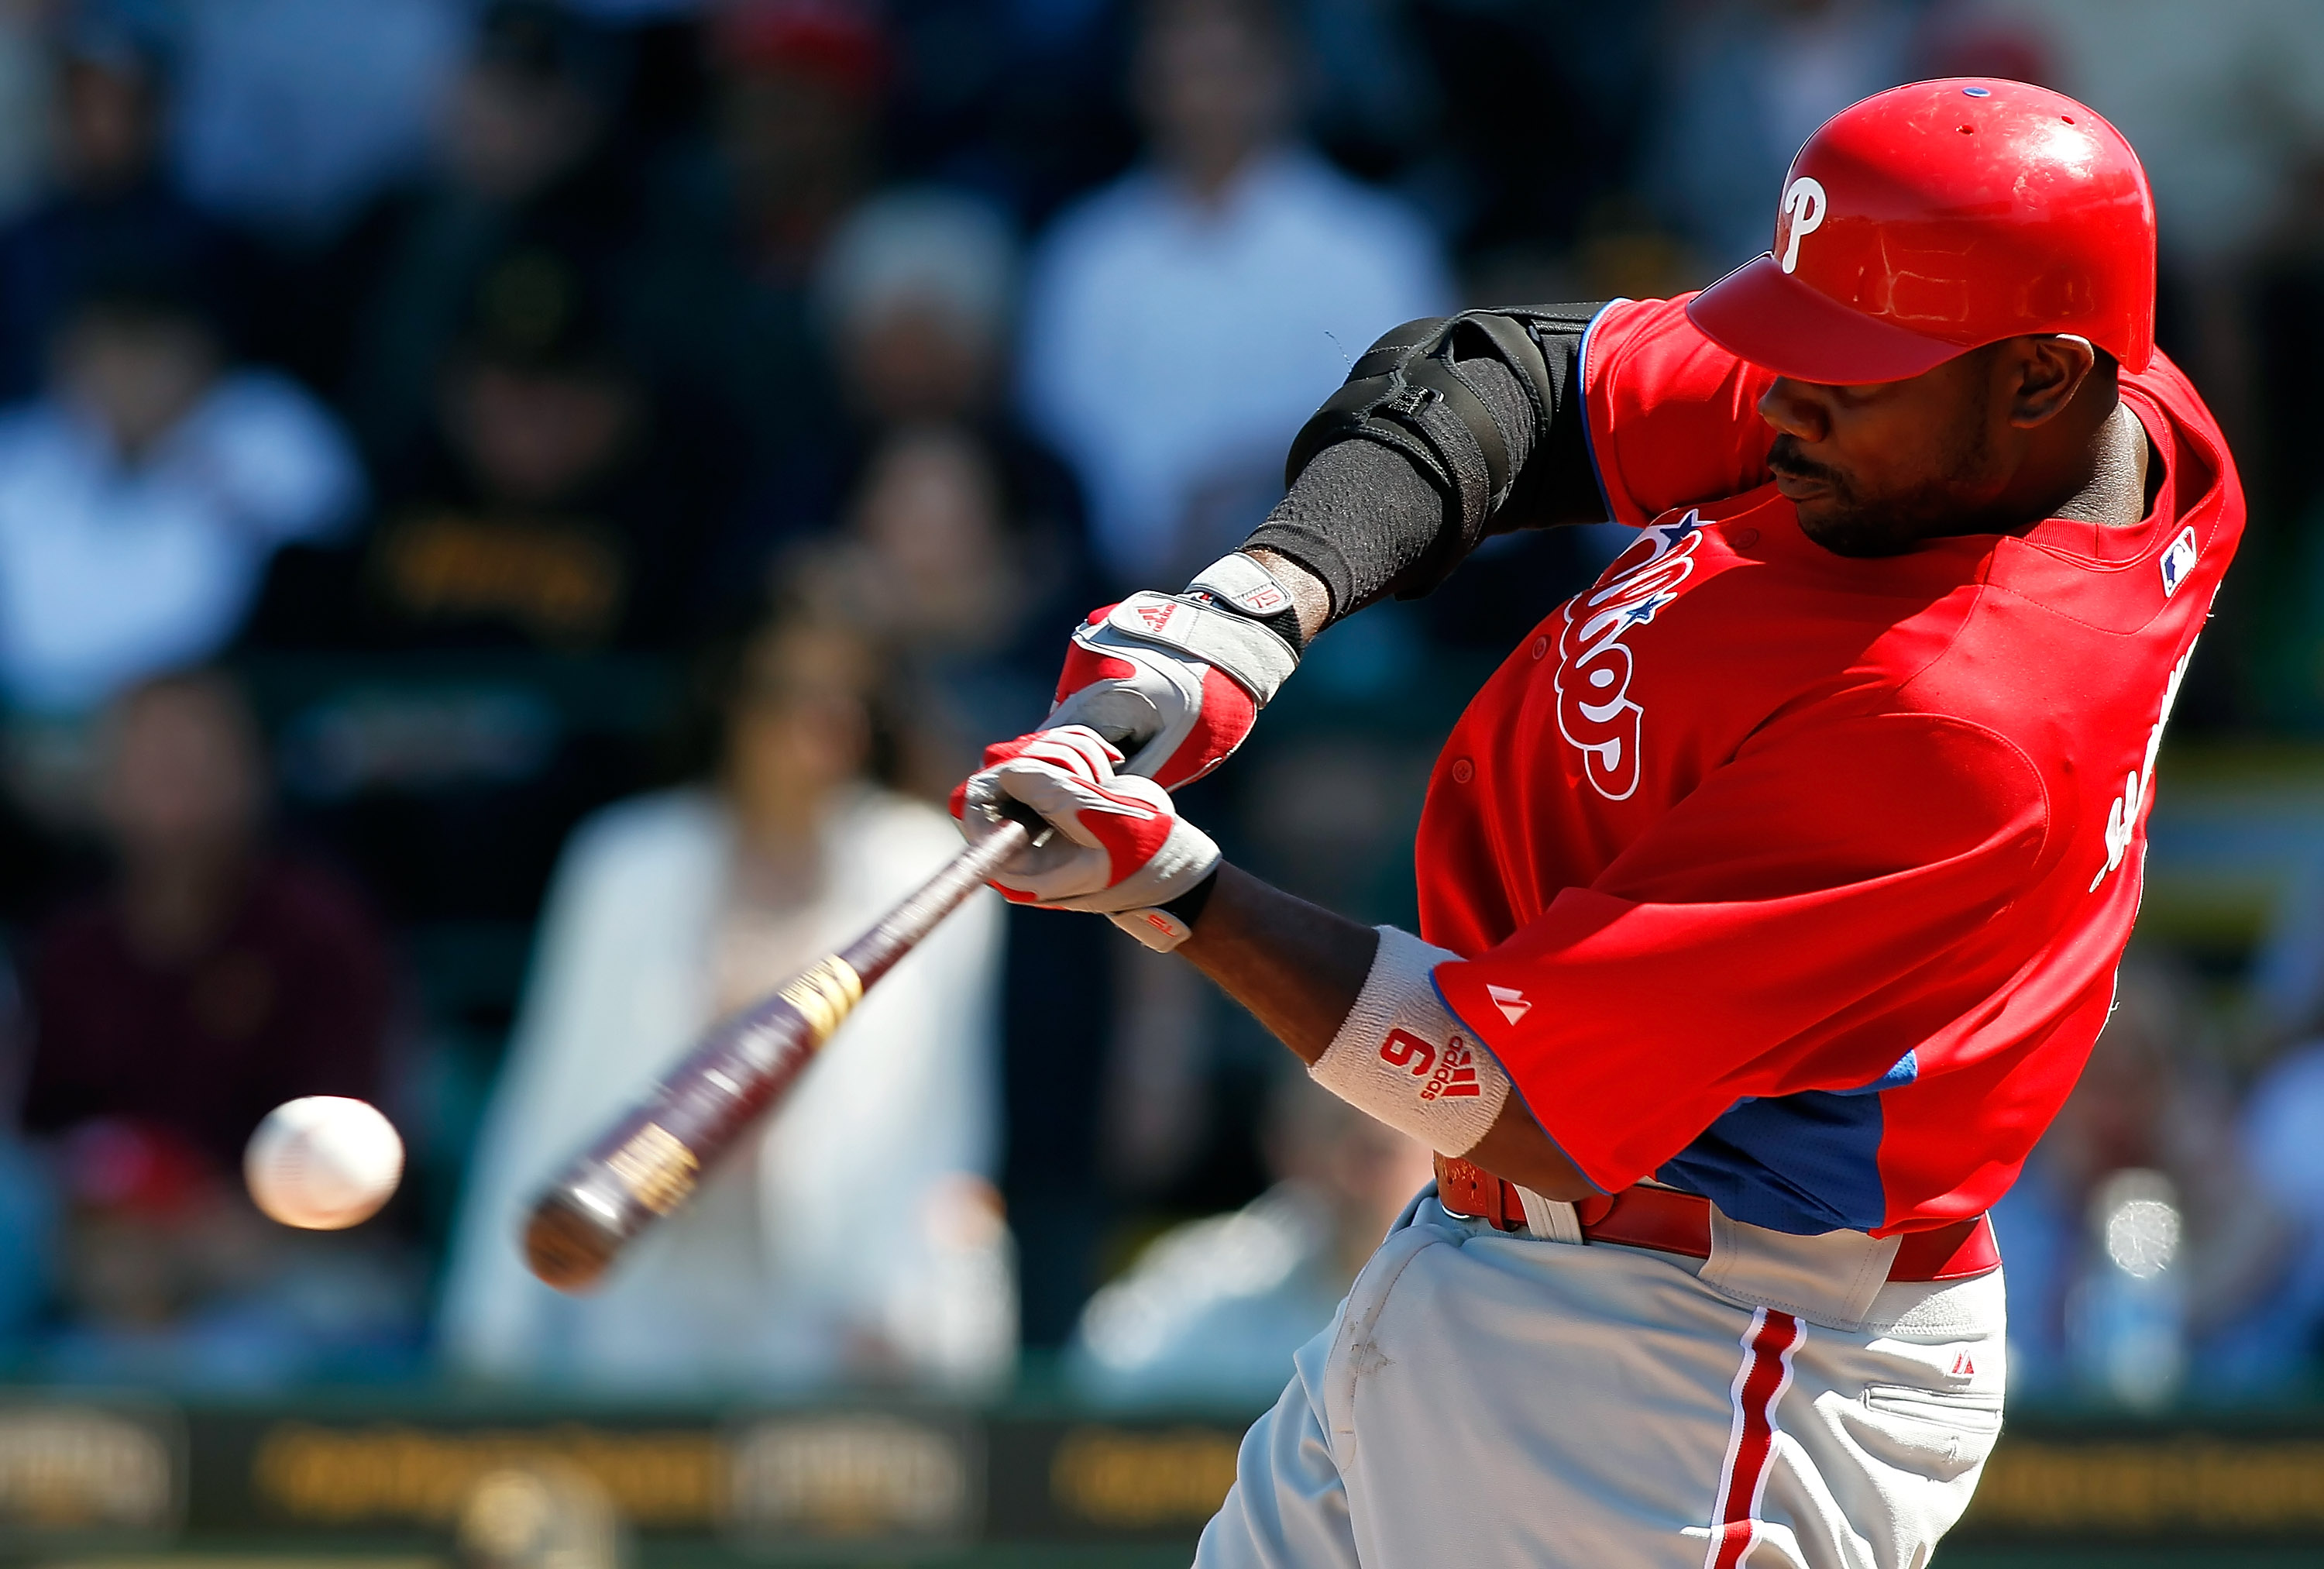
<point>574,1236</point>
<point>650,1162</point>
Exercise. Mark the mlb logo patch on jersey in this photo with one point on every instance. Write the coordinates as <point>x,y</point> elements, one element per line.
<point>2177,561</point>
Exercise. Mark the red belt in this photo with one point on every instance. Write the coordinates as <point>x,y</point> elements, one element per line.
<point>1680,1222</point>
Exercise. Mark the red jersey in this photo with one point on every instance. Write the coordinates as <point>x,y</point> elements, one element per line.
<point>1800,880</point>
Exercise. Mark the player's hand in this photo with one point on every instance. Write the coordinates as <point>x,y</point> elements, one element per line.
<point>1120,848</point>
<point>1175,681</point>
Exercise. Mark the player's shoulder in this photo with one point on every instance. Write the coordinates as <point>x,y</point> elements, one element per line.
<point>2153,580</point>
<point>2163,396</point>
<point>1673,417</point>
<point>1640,353</point>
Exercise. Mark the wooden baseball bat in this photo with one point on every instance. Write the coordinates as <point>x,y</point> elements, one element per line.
<point>648,1162</point>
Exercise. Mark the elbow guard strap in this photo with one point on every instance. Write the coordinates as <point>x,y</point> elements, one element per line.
<point>1402,1058</point>
<point>1409,392</point>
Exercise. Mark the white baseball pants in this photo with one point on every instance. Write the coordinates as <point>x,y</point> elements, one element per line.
<point>1485,1399</point>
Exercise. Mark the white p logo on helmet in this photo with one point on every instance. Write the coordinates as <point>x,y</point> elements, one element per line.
<point>1804,206</point>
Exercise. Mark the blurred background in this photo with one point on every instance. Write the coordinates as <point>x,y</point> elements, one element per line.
<point>512,515</point>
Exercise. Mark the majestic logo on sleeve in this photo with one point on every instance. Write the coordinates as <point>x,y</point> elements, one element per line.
<point>2122,820</point>
<point>1511,1002</point>
<point>1595,711</point>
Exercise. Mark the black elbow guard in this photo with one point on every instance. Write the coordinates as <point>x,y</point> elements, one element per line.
<point>1409,392</point>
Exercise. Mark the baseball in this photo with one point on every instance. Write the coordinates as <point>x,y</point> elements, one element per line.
<point>323,1162</point>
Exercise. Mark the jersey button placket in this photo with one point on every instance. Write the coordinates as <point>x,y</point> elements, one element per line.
<point>1463,771</point>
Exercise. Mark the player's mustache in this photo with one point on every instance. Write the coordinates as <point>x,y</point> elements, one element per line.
<point>1784,456</point>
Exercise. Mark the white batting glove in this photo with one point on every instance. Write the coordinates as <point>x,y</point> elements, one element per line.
<point>1120,849</point>
<point>1177,680</point>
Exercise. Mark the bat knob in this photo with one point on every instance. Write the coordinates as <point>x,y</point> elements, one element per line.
<point>567,1244</point>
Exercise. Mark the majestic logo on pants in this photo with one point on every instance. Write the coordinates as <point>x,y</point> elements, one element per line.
<point>1595,712</point>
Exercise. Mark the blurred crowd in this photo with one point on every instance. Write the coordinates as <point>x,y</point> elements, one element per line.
<point>513,513</point>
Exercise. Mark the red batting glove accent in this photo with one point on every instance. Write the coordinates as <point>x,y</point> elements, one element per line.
<point>1175,715</point>
<point>1086,667</point>
<point>1223,724</point>
<point>1081,752</point>
<point>1118,846</point>
<point>1083,755</point>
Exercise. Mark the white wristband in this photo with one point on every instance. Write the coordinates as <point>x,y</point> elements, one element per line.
<point>1403,1057</point>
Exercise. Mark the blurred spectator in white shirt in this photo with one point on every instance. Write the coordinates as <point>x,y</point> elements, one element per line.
<point>141,497</point>
<point>934,515</point>
<point>1744,82</point>
<point>1182,323</point>
<point>1214,1309</point>
<point>856,1239</point>
<point>291,113</point>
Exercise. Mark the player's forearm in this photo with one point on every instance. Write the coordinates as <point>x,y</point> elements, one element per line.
<point>1297,966</point>
<point>1299,969</point>
<point>1354,523</point>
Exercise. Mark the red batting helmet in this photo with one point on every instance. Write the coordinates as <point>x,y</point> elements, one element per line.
<point>1938,217</point>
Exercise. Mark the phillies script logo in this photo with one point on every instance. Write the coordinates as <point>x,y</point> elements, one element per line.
<point>1450,1074</point>
<point>1594,709</point>
<point>2138,785</point>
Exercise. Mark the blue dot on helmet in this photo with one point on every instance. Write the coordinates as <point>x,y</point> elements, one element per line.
<point>1976,92</point>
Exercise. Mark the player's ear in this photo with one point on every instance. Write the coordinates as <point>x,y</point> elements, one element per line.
<point>2050,368</point>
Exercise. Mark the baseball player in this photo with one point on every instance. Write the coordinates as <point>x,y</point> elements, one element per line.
<point>1771,892</point>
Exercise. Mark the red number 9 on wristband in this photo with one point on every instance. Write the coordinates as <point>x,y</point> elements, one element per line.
<point>1403,1050</point>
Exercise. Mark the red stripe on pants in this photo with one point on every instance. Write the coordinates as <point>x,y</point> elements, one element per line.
<point>1759,1383</point>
